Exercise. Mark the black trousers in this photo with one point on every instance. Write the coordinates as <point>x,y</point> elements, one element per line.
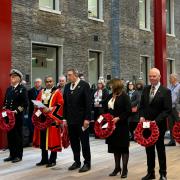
<point>150,152</point>
<point>15,138</point>
<point>78,136</point>
<point>44,152</point>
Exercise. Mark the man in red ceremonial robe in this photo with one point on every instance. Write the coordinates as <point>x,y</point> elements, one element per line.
<point>50,138</point>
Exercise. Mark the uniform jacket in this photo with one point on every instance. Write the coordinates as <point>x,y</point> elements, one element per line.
<point>16,99</point>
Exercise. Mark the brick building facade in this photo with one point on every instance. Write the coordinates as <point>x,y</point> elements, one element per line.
<point>50,36</point>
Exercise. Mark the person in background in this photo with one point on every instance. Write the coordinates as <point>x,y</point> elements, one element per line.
<point>99,96</point>
<point>32,95</point>
<point>118,104</point>
<point>135,100</point>
<point>16,100</point>
<point>174,116</point>
<point>61,84</point>
<point>81,76</point>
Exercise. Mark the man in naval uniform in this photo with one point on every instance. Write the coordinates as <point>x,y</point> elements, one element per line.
<point>16,101</point>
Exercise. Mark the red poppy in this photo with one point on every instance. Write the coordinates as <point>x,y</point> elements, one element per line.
<point>101,121</point>
<point>41,121</point>
<point>140,137</point>
<point>7,120</point>
<point>176,131</point>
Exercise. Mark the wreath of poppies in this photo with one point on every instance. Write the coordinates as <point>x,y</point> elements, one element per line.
<point>101,121</point>
<point>65,136</point>
<point>38,121</point>
<point>176,131</point>
<point>151,139</point>
<point>7,122</point>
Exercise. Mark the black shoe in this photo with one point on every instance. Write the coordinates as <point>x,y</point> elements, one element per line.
<point>124,174</point>
<point>149,176</point>
<point>17,159</point>
<point>162,177</point>
<point>171,143</point>
<point>86,167</point>
<point>74,166</point>
<point>8,159</point>
<point>50,164</point>
<point>115,172</point>
<point>41,163</point>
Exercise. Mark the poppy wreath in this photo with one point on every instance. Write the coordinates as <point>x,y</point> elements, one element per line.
<point>176,131</point>
<point>7,122</point>
<point>38,119</point>
<point>102,120</point>
<point>146,141</point>
<point>65,136</point>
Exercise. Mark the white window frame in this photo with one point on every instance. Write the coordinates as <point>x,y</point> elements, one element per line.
<point>172,33</point>
<point>55,11</point>
<point>101,8</point>
<point>173,64</point>
<point>148,16</point>
<point>60,56</point>
<point>173,68</point>
<point>101,61</point>
<point>148,66</point>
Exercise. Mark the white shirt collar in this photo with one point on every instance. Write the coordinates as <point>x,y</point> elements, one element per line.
<point>75,84</point>
<point>157,86</point>
<point>15,86</point>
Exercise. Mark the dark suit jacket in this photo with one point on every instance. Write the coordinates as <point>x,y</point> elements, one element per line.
<point>77,103</point>
<point>32,95</point>
<point>159,108</point>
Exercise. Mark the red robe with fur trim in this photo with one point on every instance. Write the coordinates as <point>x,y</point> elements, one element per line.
<point>53,133</point>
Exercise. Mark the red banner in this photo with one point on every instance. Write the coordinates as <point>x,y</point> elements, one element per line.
<point>5,53</point>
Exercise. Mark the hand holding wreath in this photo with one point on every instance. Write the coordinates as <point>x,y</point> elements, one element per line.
<point>7,120</point>
<point>104,126</point>
<point>140,133</point>
<point>41,119</point>
<point>176,131</point>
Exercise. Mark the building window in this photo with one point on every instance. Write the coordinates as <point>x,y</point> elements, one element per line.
<point>144,14</point>
<point>49,5</point>
<point>170,16</point>
<point>170,68</point>
<point>44,61</point>
<point>95,9</point>
<point>144,68</point>
<point>94,66</point>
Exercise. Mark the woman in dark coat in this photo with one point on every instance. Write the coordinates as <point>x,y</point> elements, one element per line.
<point>118,104</point>
<point>135,97</point>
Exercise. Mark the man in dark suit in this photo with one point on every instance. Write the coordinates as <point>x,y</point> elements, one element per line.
<point>156,105</point>
<point>16,101</point>
<point>32,95</point>
<point>77,112</point>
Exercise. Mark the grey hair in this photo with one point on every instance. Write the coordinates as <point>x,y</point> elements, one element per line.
<point>174,75</point>
<point>62,77</point>
<point>75,71</point>
<point>38,79</point>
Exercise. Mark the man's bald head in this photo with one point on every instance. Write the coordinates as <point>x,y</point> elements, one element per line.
<point>154,76</point>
